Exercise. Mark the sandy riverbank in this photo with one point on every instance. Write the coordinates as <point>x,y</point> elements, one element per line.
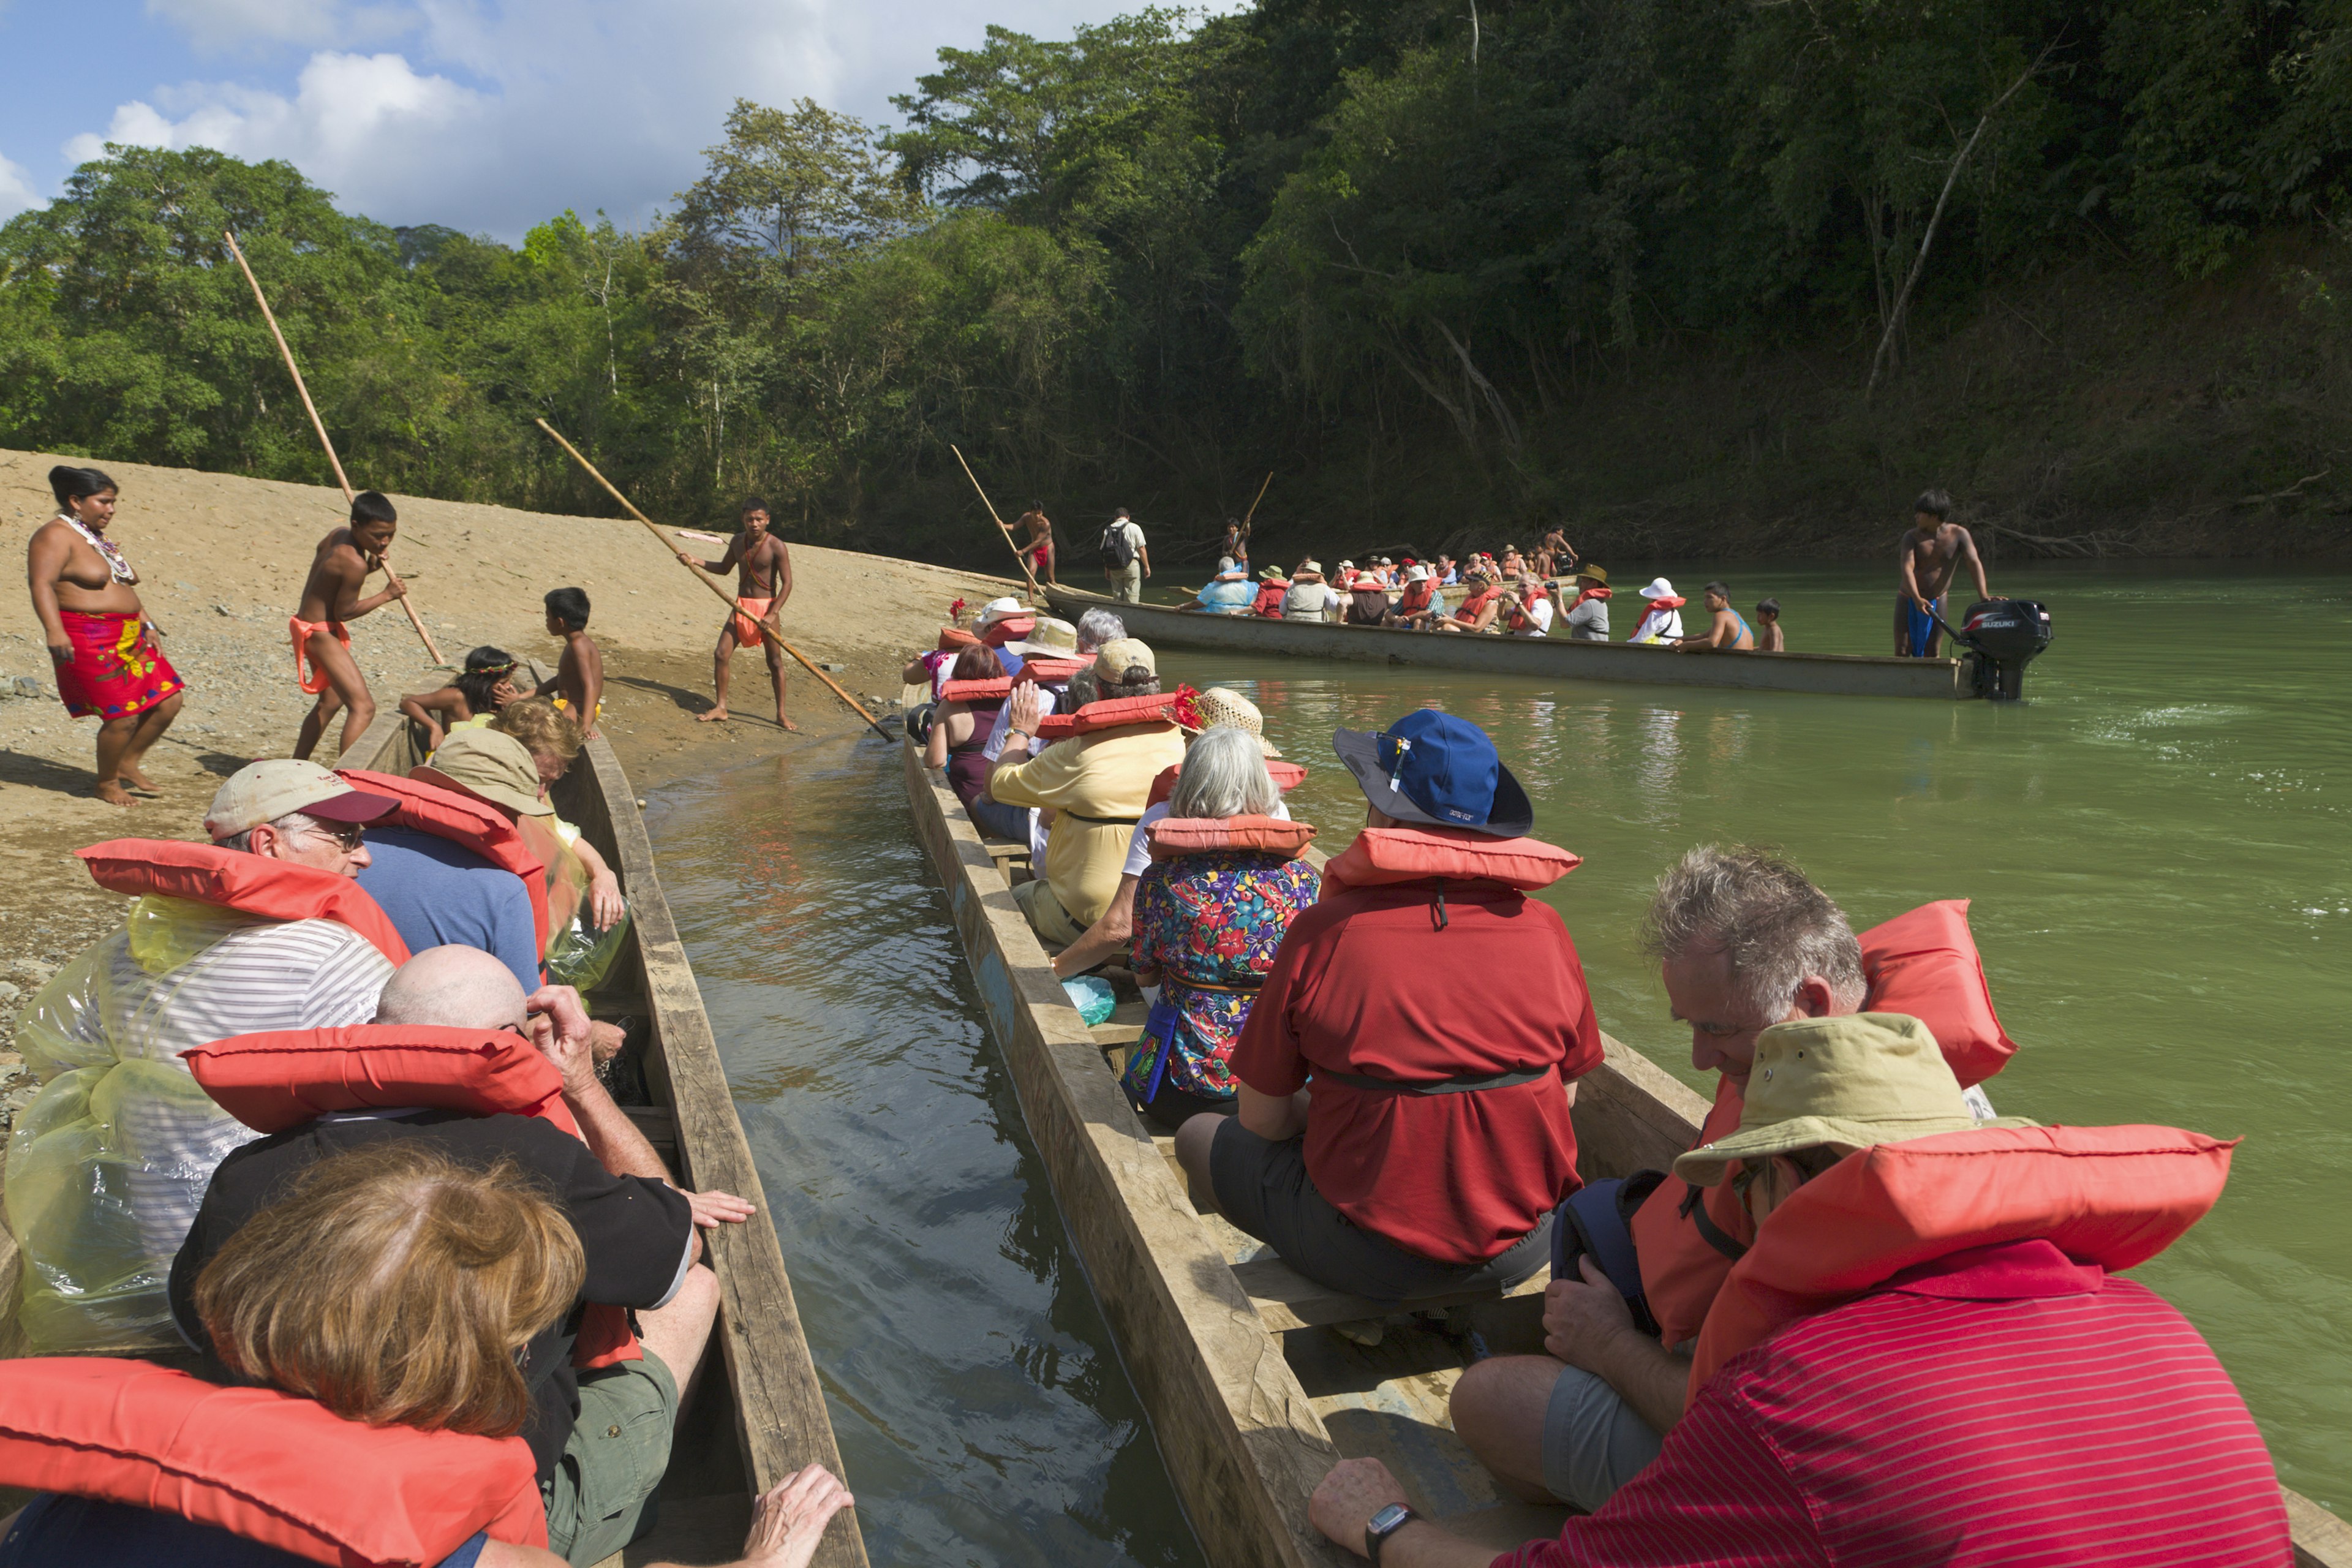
<point>222,561</point>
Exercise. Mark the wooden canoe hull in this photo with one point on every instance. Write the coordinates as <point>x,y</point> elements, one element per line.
<point>1244,1439</point>
<point>1540,659</point>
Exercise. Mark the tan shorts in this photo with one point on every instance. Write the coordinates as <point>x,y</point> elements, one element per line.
<point>1047,918</point>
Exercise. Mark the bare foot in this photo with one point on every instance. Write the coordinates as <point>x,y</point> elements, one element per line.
<point>783,723</point>
<point>111,792</point>
<point>137,779</point>
<point>716,716</point>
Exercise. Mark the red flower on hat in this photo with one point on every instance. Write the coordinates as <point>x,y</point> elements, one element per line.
<point>1186,706</point>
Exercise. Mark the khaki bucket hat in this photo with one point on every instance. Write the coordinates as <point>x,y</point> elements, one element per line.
<point>490,767</point>
<point>1049,636</point>
<point>1846,1083</point>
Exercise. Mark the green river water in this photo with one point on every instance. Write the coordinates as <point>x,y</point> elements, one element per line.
<point>2156,843</point>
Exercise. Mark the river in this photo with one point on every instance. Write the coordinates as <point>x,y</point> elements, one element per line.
<point>2155,842</point>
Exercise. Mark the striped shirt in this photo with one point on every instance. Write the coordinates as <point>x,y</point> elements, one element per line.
<point>1999,1407</point>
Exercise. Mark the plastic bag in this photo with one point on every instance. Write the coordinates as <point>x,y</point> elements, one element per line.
<point>579,953</point>
<point>1091,995</point>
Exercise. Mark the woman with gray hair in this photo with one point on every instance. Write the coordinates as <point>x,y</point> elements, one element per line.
<point>1225,883</point>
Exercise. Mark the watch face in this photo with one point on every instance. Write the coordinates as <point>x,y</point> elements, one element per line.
<point>1389,1518</point>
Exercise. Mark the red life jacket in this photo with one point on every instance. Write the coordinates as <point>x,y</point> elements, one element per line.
<point>1415,854</point>
<point>955,639</point>
<point>1012,628</point>
<point>1469,607</point>
<point>2114,1196</point>
<point>268,1467</point>
<point>282,1079</point>
<point>1047,671</point>
<point>1171,837</point>
<point>996,691</point>
<point>1111,714</point>
<point>250,884</point>
<point>1269,598</point>
<point>470,823</point>
<point>1416,596</point>
<point>1287,776</point>
<point>1924,963</point>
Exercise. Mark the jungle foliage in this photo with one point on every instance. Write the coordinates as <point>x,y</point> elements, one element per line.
<point>1148,262</point>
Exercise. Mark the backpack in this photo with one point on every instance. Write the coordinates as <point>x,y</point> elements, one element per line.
<point>1119,544</point>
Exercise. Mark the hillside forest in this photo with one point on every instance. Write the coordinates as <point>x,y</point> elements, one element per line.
<point>1739,275</point>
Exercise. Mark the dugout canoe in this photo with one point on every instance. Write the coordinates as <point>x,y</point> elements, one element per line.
<point>1540,658</point>
<point>1250,1392</point>
<point>759,1413</point>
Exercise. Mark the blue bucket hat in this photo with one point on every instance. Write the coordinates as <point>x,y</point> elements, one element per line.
<point>1432,768</point>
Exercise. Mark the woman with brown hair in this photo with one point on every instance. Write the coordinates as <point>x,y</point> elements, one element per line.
<point>960,724</point>
<point>100,641</point>
<point>400,1291</point>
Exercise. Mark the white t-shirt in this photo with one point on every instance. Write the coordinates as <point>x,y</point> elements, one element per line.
<point>1138,848</point>
<point>1540,612</point>
<point>995,747</point>
<point>1658,625</point>
<point>1134,535</point>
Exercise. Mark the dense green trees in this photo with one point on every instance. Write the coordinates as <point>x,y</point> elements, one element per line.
<point>1400,248</point>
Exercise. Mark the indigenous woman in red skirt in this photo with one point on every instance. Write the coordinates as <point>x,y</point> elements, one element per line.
<point>99,639</point>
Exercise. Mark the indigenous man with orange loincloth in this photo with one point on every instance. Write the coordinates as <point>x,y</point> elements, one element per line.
<point>322,647</point>
<point>763,580</point>
<point>1037,550</point>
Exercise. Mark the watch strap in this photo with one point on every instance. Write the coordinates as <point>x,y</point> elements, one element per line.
<point>1376,1535</point>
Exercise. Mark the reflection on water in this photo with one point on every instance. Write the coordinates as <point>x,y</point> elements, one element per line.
<point>2156,844</point>
<point>982,1414</point>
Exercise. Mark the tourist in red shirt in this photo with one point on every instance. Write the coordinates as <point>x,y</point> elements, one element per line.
<point>1926,1358</point>
<point>1393,1142</point>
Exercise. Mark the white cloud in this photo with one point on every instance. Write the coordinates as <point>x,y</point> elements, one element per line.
<point>15,190</point>
<point>495,114</point>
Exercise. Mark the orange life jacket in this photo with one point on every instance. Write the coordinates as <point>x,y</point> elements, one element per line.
<point>1415,854</point>
<point>1416,596</point>
<point>1924,963</point>
<point>955,639</point>
<point>471,823</point>
<point>284,1077</point>
<point>268,1467</point>
<point>995,691</point>
<point>2114,1196</point>
<point>1047,671</point>
<point>1111,714</point>
<point>1012,628</point>
<point>250,884</point>
<point>1287,776</point>
<point>1172,837</point>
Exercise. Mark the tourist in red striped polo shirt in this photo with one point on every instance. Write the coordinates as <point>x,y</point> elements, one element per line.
<point>1924,1358</point>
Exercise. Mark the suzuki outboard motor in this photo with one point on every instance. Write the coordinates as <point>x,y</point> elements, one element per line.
<point>2004,636</point>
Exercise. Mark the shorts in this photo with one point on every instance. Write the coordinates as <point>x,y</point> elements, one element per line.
<point>1594,1442</point>
<point>601,1496</point>
<point>995,821</point>
<point>1263,1189</point>
<point>1173,1106</point>
<point>1047,918</point>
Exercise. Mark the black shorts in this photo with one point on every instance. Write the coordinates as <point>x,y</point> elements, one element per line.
<point>1263,1189</point>
<point>1173,1106</point>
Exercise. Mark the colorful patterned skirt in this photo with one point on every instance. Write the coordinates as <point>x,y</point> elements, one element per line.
<point>117,669</point>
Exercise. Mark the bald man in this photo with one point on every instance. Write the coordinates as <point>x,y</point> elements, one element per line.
<point>640,1236</point>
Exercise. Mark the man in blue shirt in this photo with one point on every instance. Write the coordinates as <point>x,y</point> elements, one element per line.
<point>442,894</point>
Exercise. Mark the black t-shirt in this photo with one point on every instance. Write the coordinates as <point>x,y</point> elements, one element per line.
<point>634,1230</point>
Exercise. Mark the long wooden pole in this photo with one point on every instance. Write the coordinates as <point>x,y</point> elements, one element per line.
<point>1018,553</point>
<point>320,426</point>
<point>766,626</point>
<point>1261,495</point>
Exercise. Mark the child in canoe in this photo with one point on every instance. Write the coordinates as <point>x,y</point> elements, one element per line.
<point>468,702</point>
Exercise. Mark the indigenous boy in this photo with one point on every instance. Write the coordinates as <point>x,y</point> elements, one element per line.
<point>578,687</point>
<point>1768,637</point>
<point>322,647</point>
<point>763,580</point>
<point>1726,631</point>
<point>1930,555</point>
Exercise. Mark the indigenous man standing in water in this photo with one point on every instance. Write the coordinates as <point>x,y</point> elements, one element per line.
<point>322,647</point>
<point>1930,553</point>
<point>763,580</point>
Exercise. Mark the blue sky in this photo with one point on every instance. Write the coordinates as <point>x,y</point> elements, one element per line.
<point>486,115</point>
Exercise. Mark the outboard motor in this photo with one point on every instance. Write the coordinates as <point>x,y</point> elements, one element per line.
<point>2005,636</point>
<point>918,721</point>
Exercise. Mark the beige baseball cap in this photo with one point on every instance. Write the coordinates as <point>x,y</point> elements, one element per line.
<point>1116,656</point>
<point>279,787</point>
<point>489,766</point>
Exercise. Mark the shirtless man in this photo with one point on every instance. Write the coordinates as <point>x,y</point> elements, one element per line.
<point>763,581</point>
<point>1236,543</point>
<point>322,647</point>
<point>1038,550</point>
<point>1555,557</point>
<point>579,684</point>
<point>1725,630</point>
<point>1930,553</point>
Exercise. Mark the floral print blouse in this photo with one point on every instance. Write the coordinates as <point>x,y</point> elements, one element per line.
<point>1216,918</point>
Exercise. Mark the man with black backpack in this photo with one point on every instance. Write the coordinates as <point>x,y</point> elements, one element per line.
<point>1125,560</point>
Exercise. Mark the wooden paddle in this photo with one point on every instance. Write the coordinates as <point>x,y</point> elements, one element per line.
<point>1018,553</point>
<point>766,626</point>
<point>320,426</point>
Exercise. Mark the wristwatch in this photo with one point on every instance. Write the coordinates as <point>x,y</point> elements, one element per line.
<point>1382,1525</point>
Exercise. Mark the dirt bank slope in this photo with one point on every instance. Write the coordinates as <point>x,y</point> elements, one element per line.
<point>223,560</point>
